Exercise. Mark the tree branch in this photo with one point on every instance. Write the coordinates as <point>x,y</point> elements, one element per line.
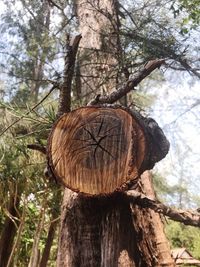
<point>56,85</point>
<point>52,3</point>
<point>185,64</point>
<point>65,91</point>
<point>184,216</point>
<point>130,84</point>
<point>37,147</point>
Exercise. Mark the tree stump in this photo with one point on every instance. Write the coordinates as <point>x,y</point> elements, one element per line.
<point>98,150</point>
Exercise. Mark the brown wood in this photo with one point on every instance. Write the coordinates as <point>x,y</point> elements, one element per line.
<point>153,242</point>
<point>111,232</point>
<point>96,150</point>
<point>48,244</point>
<point>9,230</point>
<point>130,84</point>
<point>97,232</point>
<point>100,231</point>
<point>187,217</point>
<point>65,88</point>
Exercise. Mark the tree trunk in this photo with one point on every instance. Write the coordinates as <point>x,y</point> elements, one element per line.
<point>9,230</point>
<point>110,232</point>
<point>152,241</point>
<point>96,232</point>
<point>49,241</point>
<point>104,231</point>
<point>16,246</point>
<point>56,201</point>
<point>98,57</point>
<point>35,253</point>
<point>43,28</point>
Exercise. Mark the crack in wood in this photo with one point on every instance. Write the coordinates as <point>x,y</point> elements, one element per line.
<point>97,141</point>
<point>100,126</point>
<point>111,128</point>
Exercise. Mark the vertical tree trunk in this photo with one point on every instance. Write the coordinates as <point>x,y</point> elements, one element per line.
<point>16,246</point>
<point>43,27</point>
<point>56,200</point>
<point>97,232</point>
<point>106,231</point>
<point>98,56</point>
<point>110,232</point>
<point>49,241</point>
<point>9,230</point>
<point>35,254</point>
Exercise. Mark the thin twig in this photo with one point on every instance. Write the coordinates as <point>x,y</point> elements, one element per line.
<point>54,4</point>
<point>56,85</point>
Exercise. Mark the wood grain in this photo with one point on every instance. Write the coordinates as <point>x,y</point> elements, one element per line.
<point>96,150</point>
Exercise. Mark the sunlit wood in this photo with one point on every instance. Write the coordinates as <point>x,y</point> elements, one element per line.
<point>96,150</point>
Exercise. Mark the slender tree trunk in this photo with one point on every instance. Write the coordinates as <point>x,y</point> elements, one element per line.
<point>44,23</point>
<point>14,253</point>
<point>35,254</point>
<point>9,230</point>
<point>49,241</point>
<point>52,228</point>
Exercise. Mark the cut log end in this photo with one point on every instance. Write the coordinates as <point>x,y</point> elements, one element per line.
<point>96,150</point>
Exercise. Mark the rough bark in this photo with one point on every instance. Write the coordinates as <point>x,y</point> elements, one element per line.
<point>152,241</point>
<point>110,232</point>
<point>65,90</point>
<point>98,58</point>
<point>96,232</point>
<point>103,232</point>
<point>187,217</point>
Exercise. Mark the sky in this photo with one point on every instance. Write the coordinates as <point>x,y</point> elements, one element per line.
<point>179,118</point>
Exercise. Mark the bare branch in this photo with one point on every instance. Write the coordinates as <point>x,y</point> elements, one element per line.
<point>37,147</point>
<point>185,64</point>
<point>130,84</point>
<point>184,216</point>
<point>65,91</point>
<point>52,3</point>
